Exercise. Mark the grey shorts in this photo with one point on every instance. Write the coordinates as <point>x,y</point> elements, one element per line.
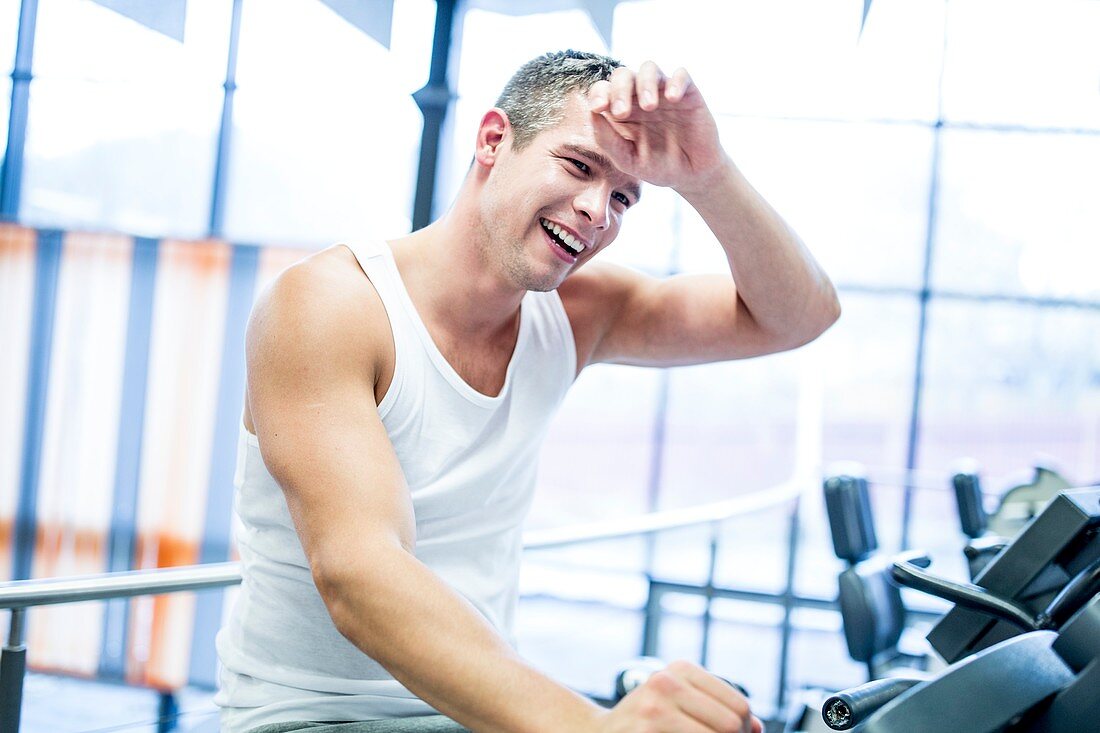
<point>420,724</point>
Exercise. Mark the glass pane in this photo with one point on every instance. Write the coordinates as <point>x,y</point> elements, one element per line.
<point>75,40</point>
<point>608,571</point>
<point>730,428</point>
<point>113,144</point>
<point>1018,215</point>
<point>9,22</point>
<point>597,460</point>
<point>754,550</point>
<point>744,648</point>
<point>494,45</point>
<point>307,166</point>
<point>857,194</point>
<point>868,360</point>
<point>1006,384</point>
<point>5,114</point>
<point>794,57</point>
<point>132,158</point>
<point>865,365</point>
<point>582,646</point>
<point>1028,63</point>
<point>682,555</point>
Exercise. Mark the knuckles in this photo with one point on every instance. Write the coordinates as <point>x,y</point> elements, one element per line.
<point>683,667</point>
<point>666,682</point>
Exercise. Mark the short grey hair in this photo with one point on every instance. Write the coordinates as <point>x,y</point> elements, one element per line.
<point>534,98</point>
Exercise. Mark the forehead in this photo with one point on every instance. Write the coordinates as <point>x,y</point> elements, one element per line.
<point>575,133</point>
<point>575,123</point>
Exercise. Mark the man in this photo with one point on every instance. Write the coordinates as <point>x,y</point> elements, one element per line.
<point>397,395</point>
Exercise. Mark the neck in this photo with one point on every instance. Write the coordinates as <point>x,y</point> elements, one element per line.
<point>452,282</point>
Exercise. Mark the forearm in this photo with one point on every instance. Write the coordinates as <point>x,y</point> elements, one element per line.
<point>782,286</point>
<point>437,645</point>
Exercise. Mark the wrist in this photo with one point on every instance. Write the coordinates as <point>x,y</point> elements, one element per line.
<point>717,178</point>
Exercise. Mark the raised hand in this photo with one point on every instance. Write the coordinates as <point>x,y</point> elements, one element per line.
<point>657,127</point>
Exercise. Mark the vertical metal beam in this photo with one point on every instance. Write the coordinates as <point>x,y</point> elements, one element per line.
<point>131,428</point>
<point>434,99</point>
<point>13,668</point>
<point>11,176</point>
<point>225,131</point>
<point>47,270</point>
<point>651,625</point>
<point>789,601</point>
<point>217,524</point>
<point>712,567</point>
<point>922,326</point>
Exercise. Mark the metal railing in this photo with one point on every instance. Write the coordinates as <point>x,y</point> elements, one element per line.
<point>20,595</point>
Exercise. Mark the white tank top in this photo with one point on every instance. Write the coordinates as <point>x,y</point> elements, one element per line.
<point>469,461</point>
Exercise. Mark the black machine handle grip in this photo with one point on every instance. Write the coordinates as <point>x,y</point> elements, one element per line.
<point>849,708</point>
<point>908,570</point>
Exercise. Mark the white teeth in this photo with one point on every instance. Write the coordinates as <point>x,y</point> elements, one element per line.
<point>573,244</point>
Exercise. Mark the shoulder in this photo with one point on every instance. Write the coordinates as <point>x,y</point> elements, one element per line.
<point>594,297</point>
<point>321,308</point>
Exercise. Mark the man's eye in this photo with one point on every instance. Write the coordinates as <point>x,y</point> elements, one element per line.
<point>621,198</point>
<point>582,166</point>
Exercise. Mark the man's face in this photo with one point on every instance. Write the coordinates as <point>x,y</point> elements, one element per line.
<point>547,209</point>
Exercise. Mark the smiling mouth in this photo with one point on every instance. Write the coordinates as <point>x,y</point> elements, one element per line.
<point>562,238</point>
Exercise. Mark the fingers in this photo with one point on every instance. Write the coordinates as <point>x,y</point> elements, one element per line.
<point>678,85</point>
<point>721,696</point>
<point>615,139</point>
<point>685,697</point>
<point>696,704</point>
<point>599,97</point>
<point>647,85</point>
<point>627,90</point>
<point>622,92</point>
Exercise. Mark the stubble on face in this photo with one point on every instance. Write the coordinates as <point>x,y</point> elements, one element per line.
<point>503,241</point>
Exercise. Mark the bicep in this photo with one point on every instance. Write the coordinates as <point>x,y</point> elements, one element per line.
<point>329,452</point>
<point>311,395</point>
<point>676,321</point>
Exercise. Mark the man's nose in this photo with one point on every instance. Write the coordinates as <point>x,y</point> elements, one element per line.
<point>594,204</point>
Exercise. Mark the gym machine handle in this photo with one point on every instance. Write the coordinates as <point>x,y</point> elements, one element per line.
<point>849,708</point>
<point>908,570</point>
<point>1073,596</point>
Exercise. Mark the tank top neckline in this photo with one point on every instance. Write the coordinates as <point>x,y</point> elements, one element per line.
<point>441,364</point>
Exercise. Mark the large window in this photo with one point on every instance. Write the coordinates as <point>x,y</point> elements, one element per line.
<point>9,22</point>
<point>125,122</point>
<point>942,167</point>
<point>113,143</point>
<point>325,133</point>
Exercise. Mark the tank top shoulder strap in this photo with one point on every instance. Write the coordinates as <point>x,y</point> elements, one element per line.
<point>376,260</point>
<point>374,257</point>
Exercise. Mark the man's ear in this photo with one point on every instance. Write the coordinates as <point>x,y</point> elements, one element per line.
<point>493,134</point>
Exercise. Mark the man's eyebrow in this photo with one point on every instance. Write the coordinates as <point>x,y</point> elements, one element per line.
<point>603,162</point>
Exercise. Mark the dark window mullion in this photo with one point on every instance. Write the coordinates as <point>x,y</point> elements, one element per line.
<point>11,177</point>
